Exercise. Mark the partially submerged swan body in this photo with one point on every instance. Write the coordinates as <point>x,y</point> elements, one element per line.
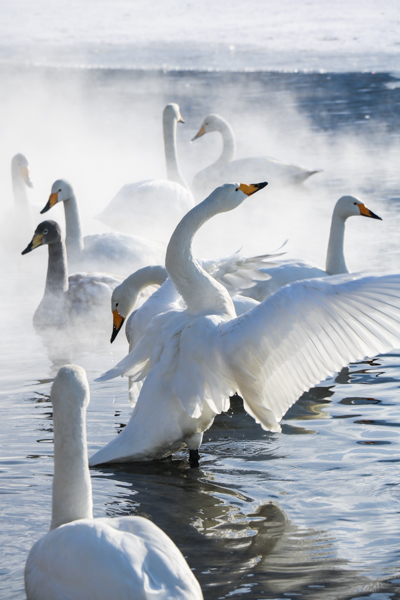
<point>114,252</point>
<point>82,558</point>
<point>227,168</point>
<point>192,360</point>
<point>153,206</point>
<point>80,300</point>
<point>295,270</point>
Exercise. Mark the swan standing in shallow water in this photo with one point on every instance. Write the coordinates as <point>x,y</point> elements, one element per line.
<point>82,558</point>
<point>114,252</point>
<point>80,299</point>
<point>154,206</point>
<point>295,270</point>
<point>193,360</point>
<point>226,168</point>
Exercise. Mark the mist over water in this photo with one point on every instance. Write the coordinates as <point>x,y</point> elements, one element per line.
<point>311,511</point>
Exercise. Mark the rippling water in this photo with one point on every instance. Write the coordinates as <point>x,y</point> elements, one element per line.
<point>312,512</point>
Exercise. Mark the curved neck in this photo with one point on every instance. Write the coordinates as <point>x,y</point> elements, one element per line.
<point>57,277</point>
<point>72,490</point>
<point>138,281</point>
<point>73,237</point>
<point>171,157</point>
<point>200,291</point>
<point>335,262</point>
<point>228,142</point>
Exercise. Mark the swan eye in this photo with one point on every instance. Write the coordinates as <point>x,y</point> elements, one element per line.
<point>45,231</point>
<point>236,189</point>
<point>59,190</point>
<point>355,203</point>
<point>116,304</point>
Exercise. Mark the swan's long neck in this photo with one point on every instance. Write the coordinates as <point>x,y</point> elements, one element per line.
<point>228,142</point>
<point>57,276</point>
<point>73,238</point>
<point>138,281</point>
<point>200,291</point>
<point>21,201</point>
<point>171,156</point>
<point>335,262</point>
<point>72,490</point>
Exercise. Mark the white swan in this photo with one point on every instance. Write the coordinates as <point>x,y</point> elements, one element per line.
<point>82,558</point>
<point>226,168</point>
<point>154,206</point>
<point>235,272</point>
<point>295,270</point>
<point>192,360</point>
<point>17,222</point>
<point>114,252</point>
<point>82,299</point>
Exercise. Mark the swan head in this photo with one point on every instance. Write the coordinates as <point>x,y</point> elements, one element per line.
<point>210,123</point>
<point>349,206</point>
<point>121,306</point>
<point>173,112</point>
<point>230,195</point>
<point>20,168</point>
<point>47,232</point>
<point>70,387</point>
<point>61,191</point>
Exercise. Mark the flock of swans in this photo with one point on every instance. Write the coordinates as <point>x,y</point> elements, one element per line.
<point>265,328</point>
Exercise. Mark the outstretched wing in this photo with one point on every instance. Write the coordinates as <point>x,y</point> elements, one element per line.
<point>238,272</point>
<point>305,332</point>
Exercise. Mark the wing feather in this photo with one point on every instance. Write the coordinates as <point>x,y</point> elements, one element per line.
<point>305,332</point>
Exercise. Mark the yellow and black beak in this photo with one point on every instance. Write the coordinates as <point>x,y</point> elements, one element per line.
<point>365,212</point>
<point>53,199</point>
<point>118,321</point>
<point>200,132</point>
<point>180,120</point>
<point>251,188</point>
<point>37,240</point>
<point>25,176</point>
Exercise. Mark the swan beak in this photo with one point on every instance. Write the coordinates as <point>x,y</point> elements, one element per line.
<point>53,199</point>
<point>251,188</point>
<point>25,176</point>
<point>180,120</point>
<point>365,212</point>
<point>37,240</point>
<point>200,132</point>
<point>118,321</point>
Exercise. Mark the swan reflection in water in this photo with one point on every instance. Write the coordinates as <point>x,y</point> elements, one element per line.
<point>234,544</point>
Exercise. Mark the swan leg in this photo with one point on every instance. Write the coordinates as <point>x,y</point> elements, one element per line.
<point>193,443</point>
<point>194,458</point>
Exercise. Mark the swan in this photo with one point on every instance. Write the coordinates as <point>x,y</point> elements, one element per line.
<point>115,252</point>
<point>295,270</point>
<point>154,206</point>
<point>192,360</point>
<point>235,272</point>
<point>82,558</point>
<point>17,222</point>
<point>80,299</point>
<point>250,169</point>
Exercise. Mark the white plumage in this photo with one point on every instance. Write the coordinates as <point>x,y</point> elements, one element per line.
<point>82,558</point>
<point>154,206</point>
<point>227,168</point>
<point>192,360</point>
<point>115,252</point>
<point>295,270</point>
